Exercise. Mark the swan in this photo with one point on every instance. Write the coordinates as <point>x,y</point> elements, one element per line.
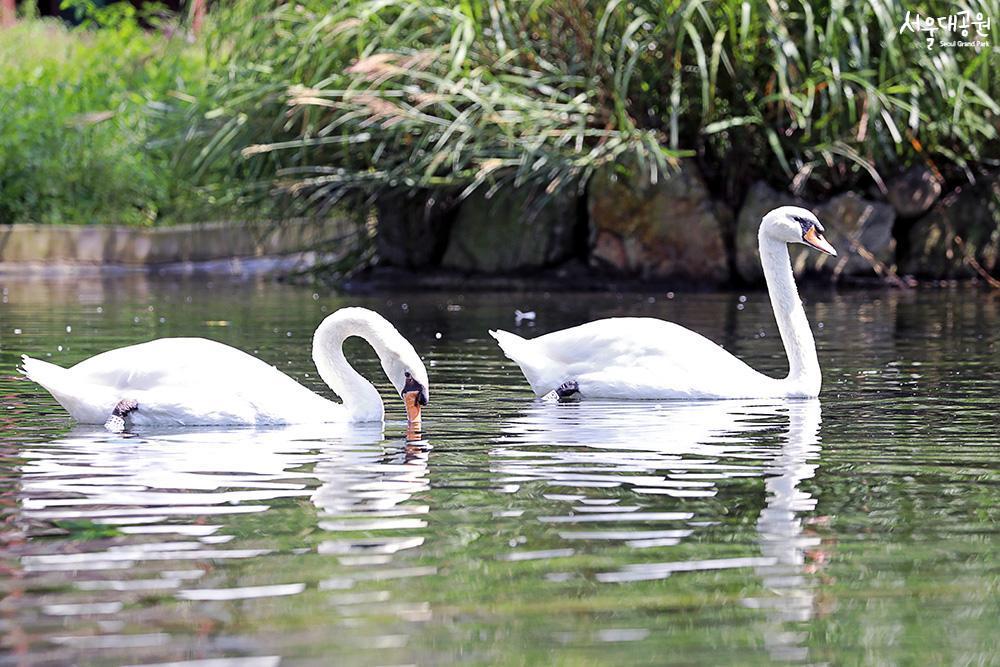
<point>647,358</point>
<point>199,382</point>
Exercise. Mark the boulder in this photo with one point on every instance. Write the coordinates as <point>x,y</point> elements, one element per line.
<point>963,225</point>
<point>515,229</point>
<point>669,228</point>
<point>855,226</point>
<point>913,192</point>
<point>412,228</point>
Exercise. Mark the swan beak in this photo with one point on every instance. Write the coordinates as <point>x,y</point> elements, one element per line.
<point>414,401</point>
<point>817,240</point>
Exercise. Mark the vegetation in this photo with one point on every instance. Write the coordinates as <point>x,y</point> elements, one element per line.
<point>325,99</point>
<point>78,111</point>
<point>299,104</point>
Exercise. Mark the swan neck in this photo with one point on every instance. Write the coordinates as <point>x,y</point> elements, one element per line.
<point>796,336</point>
<point>360,397</point>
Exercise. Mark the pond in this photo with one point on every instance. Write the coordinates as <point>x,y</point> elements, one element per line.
<point>857,528</point>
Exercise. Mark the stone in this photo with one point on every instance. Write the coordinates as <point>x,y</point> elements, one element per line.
<point>413,228</point>
<point>860,230</point>
<point>963,225</point>
<point>516,229</point>
<point>856,227</point>
<point>669,228</point>
<point>913,192</point>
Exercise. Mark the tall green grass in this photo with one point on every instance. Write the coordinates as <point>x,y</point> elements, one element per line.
<point>78,110</point>
<point>318,100</point>
<point>287,107</point>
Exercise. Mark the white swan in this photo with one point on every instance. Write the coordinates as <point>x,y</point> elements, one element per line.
<point>646,358</point>
<point>198,382</point>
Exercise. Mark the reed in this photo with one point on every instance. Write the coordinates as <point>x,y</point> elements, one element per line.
<point>314,101</point>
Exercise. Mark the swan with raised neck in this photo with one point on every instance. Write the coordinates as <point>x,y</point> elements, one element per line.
<point>784,225</point>
<point>648,358</point>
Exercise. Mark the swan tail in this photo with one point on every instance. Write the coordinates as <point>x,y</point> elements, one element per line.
<point>536,367</point>
<point>58,381</point>
<point>46,374</point>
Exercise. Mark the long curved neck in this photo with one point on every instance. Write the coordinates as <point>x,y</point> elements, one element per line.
<point>361,399</point>
<point>803,366</point>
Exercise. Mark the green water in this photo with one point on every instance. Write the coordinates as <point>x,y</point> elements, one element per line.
<point>857,529</point>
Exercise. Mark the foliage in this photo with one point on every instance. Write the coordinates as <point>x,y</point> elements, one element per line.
<point>402,94</point>
<point>318,99</point>
<point>828,92</point>
<point>290,106</point>
<point>77,108</point>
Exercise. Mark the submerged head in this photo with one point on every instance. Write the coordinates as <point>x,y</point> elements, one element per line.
<point>793,224</point>
<point>400,362</point>
<point>403,367</point>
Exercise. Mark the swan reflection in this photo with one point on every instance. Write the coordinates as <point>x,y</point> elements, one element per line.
<point>167,497</point>
<point>586,454</point>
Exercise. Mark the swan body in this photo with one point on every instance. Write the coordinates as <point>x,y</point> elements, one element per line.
<point>199,382</point>
<point>646,358</point>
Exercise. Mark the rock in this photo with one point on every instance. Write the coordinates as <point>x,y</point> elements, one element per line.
<point>515,229</point>
<point>413,227</point>
<point>972,214</point>
<point>913,192</point>
<point>855,226</point>
<point>667,229</point>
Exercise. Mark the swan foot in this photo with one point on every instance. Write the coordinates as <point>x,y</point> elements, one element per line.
<point>116,422</point>
<point>567,390</point>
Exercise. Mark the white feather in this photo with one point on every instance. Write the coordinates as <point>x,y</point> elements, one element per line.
<point>646,358</point>
<point>199,382</point>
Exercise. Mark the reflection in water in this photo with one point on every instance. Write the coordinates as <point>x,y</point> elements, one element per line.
<point>681,452</point>
<point>361,498</point>
<point>782,538</point>
<point>155,505</point>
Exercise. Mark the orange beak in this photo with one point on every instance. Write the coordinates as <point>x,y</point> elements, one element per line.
<point>816,240</point>
<point>412,401</point>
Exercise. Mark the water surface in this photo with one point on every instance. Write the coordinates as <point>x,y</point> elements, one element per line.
<point>858,528</point>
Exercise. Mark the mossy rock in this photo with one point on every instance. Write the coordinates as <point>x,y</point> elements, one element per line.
<point>963,226</point>
<point>663,228</point>
<point>514,229</point>
<point>413,227</point>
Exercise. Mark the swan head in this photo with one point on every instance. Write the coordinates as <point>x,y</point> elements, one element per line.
<point>793,224</point>
<point>406,371</point>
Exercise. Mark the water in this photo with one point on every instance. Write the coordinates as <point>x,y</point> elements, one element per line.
<point>859,528</point>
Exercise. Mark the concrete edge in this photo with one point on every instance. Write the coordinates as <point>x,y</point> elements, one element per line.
<point>67,249</point>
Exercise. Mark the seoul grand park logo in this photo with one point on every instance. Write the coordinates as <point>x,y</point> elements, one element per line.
<point>955,29</point>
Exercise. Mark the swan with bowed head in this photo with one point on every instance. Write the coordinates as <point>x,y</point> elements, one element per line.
<point>646,358</point>
<point>199,382</point>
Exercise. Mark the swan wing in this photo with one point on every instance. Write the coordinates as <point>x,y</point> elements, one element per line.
<point>633,357</point>
<point>175,362</point>
<point>180,381</point>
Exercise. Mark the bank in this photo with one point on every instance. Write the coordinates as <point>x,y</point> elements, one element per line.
<point>621,227</point>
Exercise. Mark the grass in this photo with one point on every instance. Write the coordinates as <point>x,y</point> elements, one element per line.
<point>285,109</point>
<point>77,111</point>
<point>320,100</point>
